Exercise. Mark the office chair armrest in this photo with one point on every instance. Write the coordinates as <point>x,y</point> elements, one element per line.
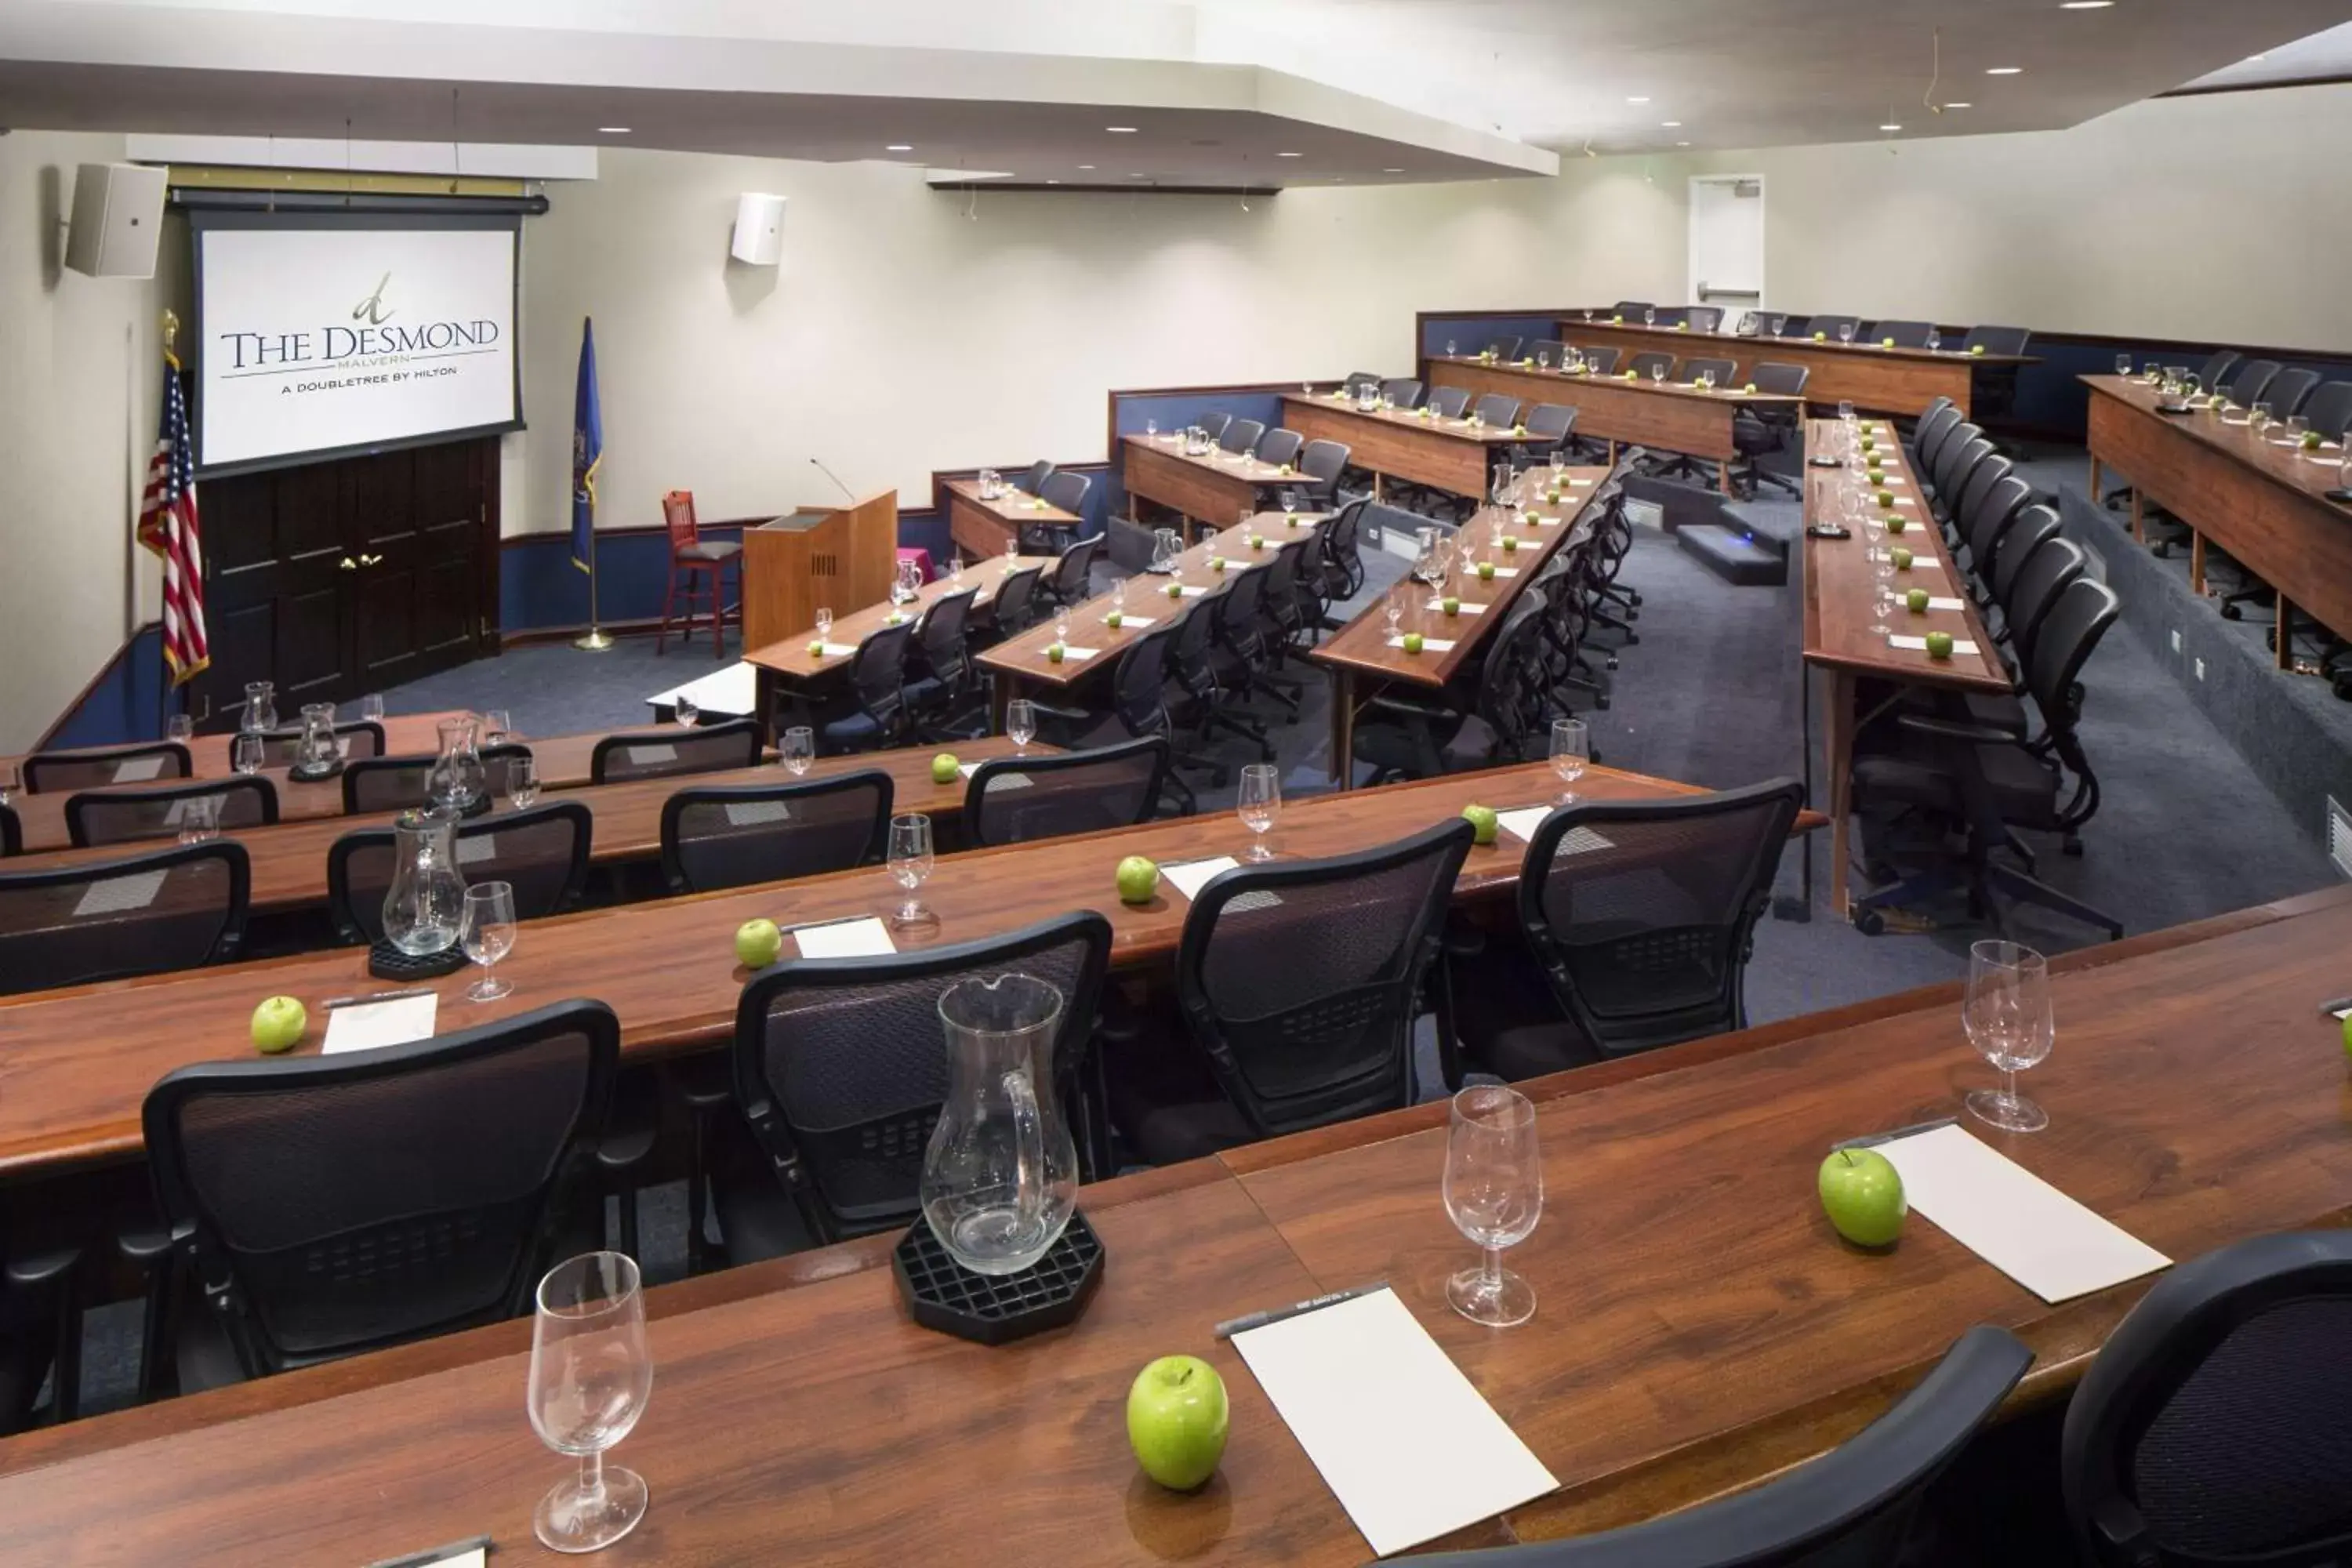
<point>1460,940</point>
<point>1956,730</point>
<point>1409,708</point>
<point>40,1270</point>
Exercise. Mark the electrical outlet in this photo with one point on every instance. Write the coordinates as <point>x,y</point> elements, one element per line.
<point>2176,639</point>
<point>2200,669</point>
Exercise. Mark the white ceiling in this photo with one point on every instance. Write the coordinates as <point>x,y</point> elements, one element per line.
<point>1361,90</point>
<point>2322,57</point>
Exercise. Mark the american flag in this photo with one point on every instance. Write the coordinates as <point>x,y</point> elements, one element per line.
<point>167,525</point>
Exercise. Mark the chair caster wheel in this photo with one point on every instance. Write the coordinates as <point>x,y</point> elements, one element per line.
<point>1603,704</point>
<point>1631,638</point>
<point>1612,661</point>
<point>2233,613</point>
<point>1870,922</point>
<point>2270,639</point>
<point>2071,846</point>
<point>2163,548</point>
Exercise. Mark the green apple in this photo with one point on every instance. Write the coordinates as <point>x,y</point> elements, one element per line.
<point>1138,879</point>
<point>1482,821</point>
<point>2311,439</point>
<point>1896,522</point>
<point>1216,562</point>
<point>1628,375</point>
<point>1977,348</point>
<point>1820,337</point>
<point>1290,520</point>
<point>1902,560</point>
<point>1939,645</point>
<point>816,650</point>
<point>279,1023</point>
<point>1682,326</point>
<point>1485,571</point>
<point>1258,542</point>
<point>1749,387</point>
<point>1510,544</point>
<point>1289,467</point>
<point>2347,1033</point>
<point>943,768</point>
<point>1053,654</point>
<point>1886,498</point>
<point>1428,413</point>
<point>1886,343</point>
<point>1175,590</point>
<point>756,943</point>
<point>1451,606</point>
<point>1616,320</point>
<point>1518,429</point>
<point>1412,642</point>
<point>1863,1195</point>
<point>1915,601</point>
<point>1176,1419</point>
<point>1113,620</point>
<point>1037,506</point>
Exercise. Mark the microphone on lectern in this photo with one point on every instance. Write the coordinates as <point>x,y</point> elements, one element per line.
<point>829,473</point>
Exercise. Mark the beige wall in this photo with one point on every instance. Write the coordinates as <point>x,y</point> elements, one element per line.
<point>78,400</point>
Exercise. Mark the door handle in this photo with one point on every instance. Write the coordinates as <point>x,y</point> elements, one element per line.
<point>348,564</point>
<point>371,560</point>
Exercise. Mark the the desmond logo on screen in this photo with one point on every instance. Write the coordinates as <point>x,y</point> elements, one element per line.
<point>375,338</point>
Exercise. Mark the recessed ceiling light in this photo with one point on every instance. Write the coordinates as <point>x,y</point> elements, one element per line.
<point>897,147</point>
<point>1120,130</point>
<point>1890,128</point>
<point>1962,104</point>
<point>1681,143</point>
<point>1089,167</point>
<point>1052,181</point>
<point>1289,154</point>
<point>612,130</point>
<point>2004,71</point>
<point>1670,125</point>
<point>1392,171</point>
<point>1637,101</point>
<point>2084,4</point>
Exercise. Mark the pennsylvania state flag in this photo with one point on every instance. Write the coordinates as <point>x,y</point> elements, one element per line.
<point>587,451</point>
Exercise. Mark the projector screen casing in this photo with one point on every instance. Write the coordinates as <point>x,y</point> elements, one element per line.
<point>327,334</point>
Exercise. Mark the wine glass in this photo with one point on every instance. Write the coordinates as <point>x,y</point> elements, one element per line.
<point>590,1374</point>
<point>824,624</point>
<point>522,783</point>
<point>199,818</point>
<point>687,711</point>
<point>1450,348</point>
<point>1884,604</point>
<point>1259,804</point>
<point>910,864</point>
<point>1650,317</point>
<point>1845,414</point>
<point>1657,373</point>
<point>1012,565</point>
<point>488,933</point>
<point>799,749</point>
<point>1494,1194</point>
<point>245,752</point>
<point>1845,332</point>
<point>1707,381</point>
<point>1779,326</point>
<point>2006,1015</point>
<point>498,725</point>
<point>180,727</point>
<point>2262,418</point>
<point>2124,366</point>
<point>372,708</point>
<point>1571,747</point>
<point>1394,613</point>
<point>1020,721</point>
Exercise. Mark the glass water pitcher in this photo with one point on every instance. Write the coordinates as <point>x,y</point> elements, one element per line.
<point>456,781</point>
<point>1001,1176</point>
<point>315,755</point>
<point>261,706</point>
<point>1166,545</point>
<point>427,899</point>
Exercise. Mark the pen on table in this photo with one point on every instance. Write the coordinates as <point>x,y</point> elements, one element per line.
<point>2329,1009</point>
<point>1872,1139</point>
<point>436,1554</point>
<point>1249,1321</point>
<point>332,1003</point>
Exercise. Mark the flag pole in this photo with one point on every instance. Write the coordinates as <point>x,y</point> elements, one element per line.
<point>595,641</point>
<point>587,455</point>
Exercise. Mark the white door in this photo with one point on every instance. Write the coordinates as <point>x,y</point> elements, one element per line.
<point>1726,244</point>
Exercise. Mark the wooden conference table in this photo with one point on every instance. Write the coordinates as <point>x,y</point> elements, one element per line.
<point>1216,487</point>
<point>1021,664</point>
<point>1698,1327</point>
<point>1359,656</point>
<point>1663,416</point>
<point>1901,381</point>
<point>79,1062</point>
<point>984,528</point>
<point>1449,454</point>
<point>562,763</point>
<point>2262,500</point>
<point>289,860</point>
<point>1840,594</point>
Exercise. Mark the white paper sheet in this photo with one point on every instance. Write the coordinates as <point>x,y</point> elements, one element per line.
<point>1187,590</point>
<point>119,895</point>
<point>1523,822</point>
<point>480,846</point>
<point>1960,645</point>
<point>968,769</point>
<point>2013,1219</point>
<point>138,770</point>
<point>1936,602</point>
<point>1412,1453</point>
<point>1503,572</point>
<point>1130,622</point>
<point>365,1026</point>
<point>1190,876</point>
<point>1071,654</point>
<point>754,812</point>
<point>1428,644</point>
<point>842,650</point>
<point>1464,607</point>
<point>844,939</point>
<point>645,756</point>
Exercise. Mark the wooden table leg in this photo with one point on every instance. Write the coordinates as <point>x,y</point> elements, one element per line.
<point>1837,747</point>
<point>1341,767</point>
<point>2197,561</point>
<point>2284,635</point>
<point>763,698</point>
<point>1723,476</point>
<point>2139,517</point>
<point>2098,487</point>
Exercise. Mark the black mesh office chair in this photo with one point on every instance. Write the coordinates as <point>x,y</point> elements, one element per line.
<point>40,1328</point>
<point>2329,408</point>
<point>1298,982</point>
<point>1548,352</point>
<point>1401,390</point>
<point>666,753</point>
<point>320,1206</point>
<point>1014,800</point>
<point>403,784</point>
<point>1637,919</point>
<point>1067,491</point>
<point>1549,425</point>
<point>1688,373</point>
<point>1320,464</point>
<point>357,740</point>
<point>877,678</point>
<point>943,700</point>
<point>1505,348</point>
<point>125,815</point>
<point>1448,402</point>
<point>1989,510</point>
<point>1279,447</point>
<point>12,832</point>
<point>1343,556</point>
<point>1497,409</point>
<point>52,773</point>
<point>1010,611</point>
<point>1602,360</point>
<point>2250,382</point>
<point>2209,1429</point>
<point>840,1071</point>
<point>1214,422</point>
<point>1832,329</point>
<point>543,852</point>
<point>2217,368</point>
<point>1033,480</point>
<point>1989,783</point>
<point>733,836</point>
<point>176,908</point>
<point>1853,1507</point>
<point>1996,340</point>
<point>1651,365</point>
<point>1761,431</point>
<point>2287,390</point>
<point>1359,380</point>
<point>1238,642</point>
<point>1928,433</point>
<point>1901,334</point>
<point>1631,310</point>
<point>1404,734</point>
<point>1241,436</point>
<point>1703,318</point>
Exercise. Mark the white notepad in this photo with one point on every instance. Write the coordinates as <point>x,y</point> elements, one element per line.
<point>1939,603</point>
<point>2013,1219</point>
<point>1128,622</point>
<point>1919,645</point>
<point>754,812</point>
<point>842,649</point>
<point>138,770</point>
<point>1071,654</point>
<point>1503,572</point>
<point>119,895</point>
<point>844,939</point>
<point>1412,1453</point>
<point>368,1025</point>
<point>645,756</point>
<point>1187,590</point>
<point>1463,608</point>
<point>1428,644</point>
<point>1190,876</point>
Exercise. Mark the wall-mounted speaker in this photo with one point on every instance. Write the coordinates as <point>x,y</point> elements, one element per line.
<point>117,220</point>
<point>758,229</point>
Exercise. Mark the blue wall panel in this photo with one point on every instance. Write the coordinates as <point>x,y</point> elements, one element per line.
<point>127,703</point>
<point>1471,333</point>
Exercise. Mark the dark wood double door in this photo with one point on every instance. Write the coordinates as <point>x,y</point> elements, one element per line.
<point>339,578</point>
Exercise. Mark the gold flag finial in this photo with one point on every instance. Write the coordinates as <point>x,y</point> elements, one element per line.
<point>171,329</point>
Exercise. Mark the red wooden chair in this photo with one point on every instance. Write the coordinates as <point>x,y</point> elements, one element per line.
<point>704,565</point>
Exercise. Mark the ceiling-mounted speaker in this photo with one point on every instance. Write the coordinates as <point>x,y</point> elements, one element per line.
<point>117,220</point>
<point>758,229</point>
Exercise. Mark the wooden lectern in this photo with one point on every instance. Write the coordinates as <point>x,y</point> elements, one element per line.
<point>840,557</point>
